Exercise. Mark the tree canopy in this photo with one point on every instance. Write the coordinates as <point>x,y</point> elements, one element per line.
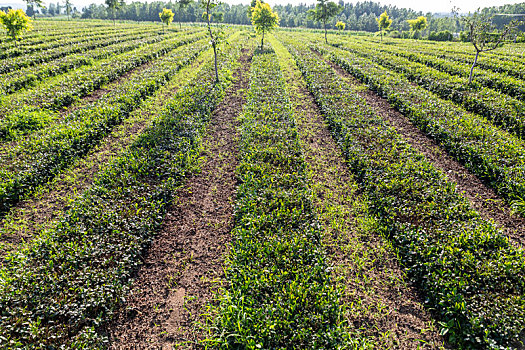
<point>15,22</point>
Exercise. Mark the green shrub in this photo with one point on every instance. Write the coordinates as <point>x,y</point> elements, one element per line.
<point>24,121</point>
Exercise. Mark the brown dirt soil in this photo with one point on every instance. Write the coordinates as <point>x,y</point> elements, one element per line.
<point>183,264</point>
<point>482,198</point>
<point>30,216</point>
<point>381,304</point>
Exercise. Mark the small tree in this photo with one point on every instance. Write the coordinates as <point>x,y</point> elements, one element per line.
<point>166,16</point>
<point>34,4</point>
<point>323,12</point>
<point>484,35</point>
<point>418,24</point>
<point>183,4</point>
<point>208,5</point>
<point>68,8</point>
<point>113,6</point>
<point>340,25</point>
<point>264,19</point>
<point>15,22</point>
<point>383,22</point>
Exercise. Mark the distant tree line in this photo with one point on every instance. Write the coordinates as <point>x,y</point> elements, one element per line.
<point>503,15</point>
<point>52,9</point>
<point>360,16</point>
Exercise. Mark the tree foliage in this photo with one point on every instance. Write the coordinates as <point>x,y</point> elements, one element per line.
<point>340,25</point>
<point>15,22</point>
<point>323,12</point>
<point>383,22</point>
<point>264,19</point>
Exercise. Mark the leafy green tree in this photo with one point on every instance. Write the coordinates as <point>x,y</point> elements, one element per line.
<point>183,4</point>
<point>485,35</point>
<point>340,25</point>
<point>264,19</point>
<point>113,6</point>
<point>417,25</point>
<point>166,16</point>
<point>383,22</point>
<point>323,12</point>
<point>15,22</point>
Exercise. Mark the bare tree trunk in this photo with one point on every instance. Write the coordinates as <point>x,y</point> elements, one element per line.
<point>325,36</point>
<point>216,69</point>
<point>381,35</point>
<point>472,68</point>
<point>213,43</point>
<point>262,41</point>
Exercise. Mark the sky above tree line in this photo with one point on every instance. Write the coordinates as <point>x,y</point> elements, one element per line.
<point>418,5</point>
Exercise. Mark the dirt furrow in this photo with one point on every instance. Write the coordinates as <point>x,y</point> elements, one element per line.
<point>180,272</point>
<point>382,306</point>
<point>482,198</point>
<point>31,216</point>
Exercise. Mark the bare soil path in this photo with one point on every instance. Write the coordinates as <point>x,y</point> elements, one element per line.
<point>179,275</point>
<point>482,198</point>
<point>382,306</point>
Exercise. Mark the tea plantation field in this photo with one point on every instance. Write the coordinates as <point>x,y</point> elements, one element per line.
<point>354,194</point>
